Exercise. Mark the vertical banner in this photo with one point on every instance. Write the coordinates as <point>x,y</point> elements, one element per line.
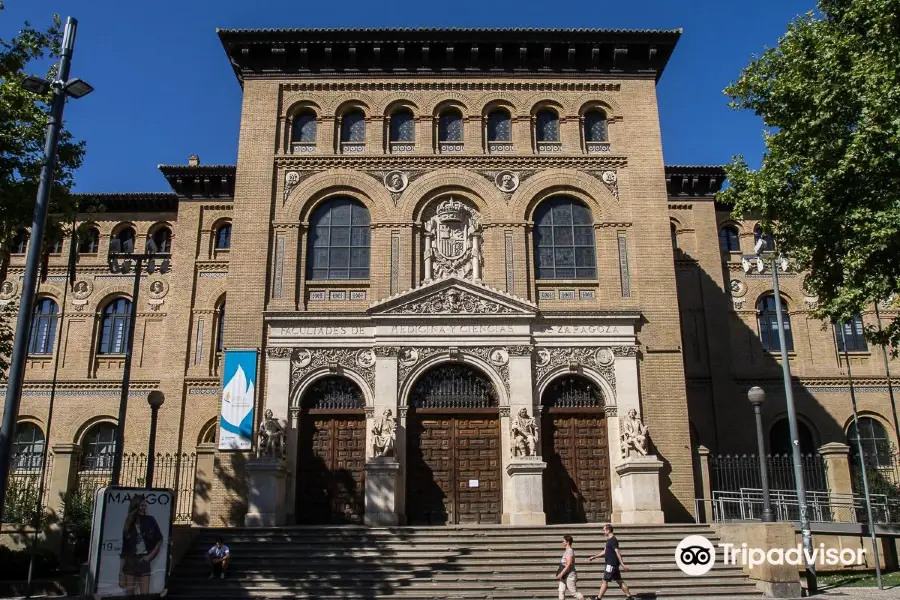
<point>238,395</point>
<point>130,542</point>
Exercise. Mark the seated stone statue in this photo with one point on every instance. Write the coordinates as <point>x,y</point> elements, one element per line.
<point>524,434</point>
<point>384,434</point>
<point>635,435</point>
<point>271,437</point>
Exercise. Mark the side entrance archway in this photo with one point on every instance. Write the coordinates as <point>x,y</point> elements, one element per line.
<point>576,449</point>
<point>453,449</point>
<point>331,462</point>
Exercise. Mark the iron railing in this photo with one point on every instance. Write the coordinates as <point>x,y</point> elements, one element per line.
<point>731,473</point>
<point>23,489</point>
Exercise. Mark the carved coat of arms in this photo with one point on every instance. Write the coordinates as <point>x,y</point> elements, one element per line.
<point>453,242</point>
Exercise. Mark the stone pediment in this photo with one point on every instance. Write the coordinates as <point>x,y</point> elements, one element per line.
<point>453,296</point>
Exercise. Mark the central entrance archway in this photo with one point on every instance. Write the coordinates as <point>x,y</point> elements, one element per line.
<point>332,453</point>
<point>576,449</point>
<point>453,459</point>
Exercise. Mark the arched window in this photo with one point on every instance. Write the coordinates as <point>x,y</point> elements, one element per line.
<point>595,127</point>
<point>116,317</point>
<point>223,237</point>
<point>499,128</point>
<point>729,240</point>
<point>126,239</point>
<point>339,241</point>
<point>304,131</point>
<point>546,126</point>
<point>220,327</point>
<point>56,246</point>
<point>162,237</point>
<point>876,445</point>
<point>353,127</point>
<point>403,126</point>
<point>20,243</point>
<point>564,240</point>
<point>43,327</point>
<point>450,126</point>
<point>28,447</point>
<point>673,231</point>
<point>89,241</point>
<point>768,240</point>
<point>780,438</point>
<point>768,324</point>
<point>98,448</point>
<point>854,335</point>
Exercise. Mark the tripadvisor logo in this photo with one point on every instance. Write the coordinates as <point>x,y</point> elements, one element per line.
<point>695,555</point>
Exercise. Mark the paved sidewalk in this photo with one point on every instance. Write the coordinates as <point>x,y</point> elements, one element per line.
<point>842,593</point>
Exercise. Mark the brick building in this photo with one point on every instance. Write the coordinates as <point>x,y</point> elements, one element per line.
<point>453,225</point>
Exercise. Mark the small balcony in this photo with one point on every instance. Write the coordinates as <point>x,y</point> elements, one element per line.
<point>598,147</point>
<point>500,147</point>
<point>353,147</point>
<point>303,147</point>
<point>402,147</point>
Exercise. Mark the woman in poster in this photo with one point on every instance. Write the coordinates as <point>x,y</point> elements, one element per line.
<point>141,542</point>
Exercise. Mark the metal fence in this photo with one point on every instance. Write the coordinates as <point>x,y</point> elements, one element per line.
<point>731,473</point>
<point>22,492</point>
<point>173,471</point>
<point>882,469</point>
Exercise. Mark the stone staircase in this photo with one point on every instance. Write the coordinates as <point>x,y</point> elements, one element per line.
<point>484,562</point>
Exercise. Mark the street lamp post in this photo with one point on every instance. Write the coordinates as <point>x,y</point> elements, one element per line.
<point>130,260</point>
<point>757,396</point>
<point>155,399</point>
<point>799,483</point>
<point>62,87</point>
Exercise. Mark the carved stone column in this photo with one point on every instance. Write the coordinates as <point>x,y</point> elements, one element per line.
<point>705,486</point>
<point>385,476</point>
<point>277,399</point>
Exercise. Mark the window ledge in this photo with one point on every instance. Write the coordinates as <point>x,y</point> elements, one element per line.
<point>542,282</point>
<point>329,283</point>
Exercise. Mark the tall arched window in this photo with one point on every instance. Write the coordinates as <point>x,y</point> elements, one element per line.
<point>126,237</point>
<point>223,237</point>
<point>673,232</point>
<point>56,246</point>
<point>353,127</point>
<point>729,240</point>
<point>499,126</point>
<point>89,242</point>
<point>339,241</point>
<point>876,445</point>
<point>28,447</point>
<point>403,126</point>
<point>98,447</point>
<point>220,327</point>
<point>768,241</point>
<point>450,126</point>
<point>19,244</point>
<point>116,317</point>
<point>780,438</point>
<point>304,130</point>
<point>546,126</point>
<point>768,324</point>
<point>564,240</point>
<point>43,327</point>
<point>162,237</point>
<point>854,335</point>
<point>595,127</point>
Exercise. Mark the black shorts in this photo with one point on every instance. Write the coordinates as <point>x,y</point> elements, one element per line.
<point>611,574</point>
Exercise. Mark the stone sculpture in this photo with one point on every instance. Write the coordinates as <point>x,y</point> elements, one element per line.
<point>524,434</point>
<point>635,435</point>
<point>271,437</point>
<point>384,434</point>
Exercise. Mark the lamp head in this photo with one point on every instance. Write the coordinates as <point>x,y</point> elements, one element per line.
<point>745,264</point>
<point>78,88</point>
<point>35,84</point>
<point>759,244</point>
<point>756,395</point>
<point>155,399</point>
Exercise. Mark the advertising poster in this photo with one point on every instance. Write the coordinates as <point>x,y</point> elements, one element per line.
<point>132,552</point>
<point>238,392</point>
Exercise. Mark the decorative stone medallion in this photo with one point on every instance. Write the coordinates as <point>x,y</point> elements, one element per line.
<point>738,288</point>
<point>575,358</point>
<point>396,181</point>
<point>542,357</point>
<point>604,357</point>
<point>303,358</point>
<point>157,293</point>
<point>331,358</point>
<point>365,358</point>
<point>499,356</point>
<point>82,289</point>
<point>408,357</point>
<point>8,289</point>
<point>609,177</point>
<point>507,181</point>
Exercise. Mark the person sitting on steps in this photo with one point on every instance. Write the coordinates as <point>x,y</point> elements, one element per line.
<point>218,558</point>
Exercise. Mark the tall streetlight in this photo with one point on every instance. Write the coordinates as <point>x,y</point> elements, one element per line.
<point>155,399</point>
<point>757,396</point>
<point>136,262</point>
<point>805,532</point>
<point>63,88</point>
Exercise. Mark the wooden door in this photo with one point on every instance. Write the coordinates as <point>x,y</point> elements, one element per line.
<point>331,468</point>
<point>577,479</point>
<point>454,470</point>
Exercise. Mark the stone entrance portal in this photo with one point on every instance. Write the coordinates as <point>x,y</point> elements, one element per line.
<point>576,450</point>
<point>331,442</point>
<point>453,450</point>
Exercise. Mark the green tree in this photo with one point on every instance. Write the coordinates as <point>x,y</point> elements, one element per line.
<point>23,126</point>
<point>829,185</point>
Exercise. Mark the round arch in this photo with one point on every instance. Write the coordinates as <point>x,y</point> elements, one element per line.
<point>437,105</point>
<point>312,377</point>
<point>443,182</point>
<point>810,440</point>
<point>563,182</point>
<point>304,199</point>
<point>85,427</point>
<point>298,106</point>
<point>539,102</point>
<point>606,389</point>
<point>442,358</point>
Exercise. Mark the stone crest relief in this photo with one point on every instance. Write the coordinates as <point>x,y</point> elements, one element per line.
<point>358,360</point>
<point>600,359</point>
<point>157,294</point>
<point>453,242</point>
<point>452,301</point>
<point>610,179</point>
<point>291,180</point>
<point>506,181</point>
<point>396,181</point>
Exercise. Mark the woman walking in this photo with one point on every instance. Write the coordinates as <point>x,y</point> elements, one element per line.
<point>565,574</point>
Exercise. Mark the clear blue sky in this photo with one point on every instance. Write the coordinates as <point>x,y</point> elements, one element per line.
<point>165,90</point>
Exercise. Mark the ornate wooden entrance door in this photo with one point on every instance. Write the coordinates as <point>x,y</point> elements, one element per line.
<point>453,450</point>
<point>575,447</point>
<point>332,455</point>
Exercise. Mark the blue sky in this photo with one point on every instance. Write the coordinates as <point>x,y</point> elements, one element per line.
<point>164,89</point>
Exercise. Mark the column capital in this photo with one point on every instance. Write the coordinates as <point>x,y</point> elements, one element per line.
<point>206,448</point>
<point>834,449</point>
<point>66,449</point>
<point>702,450</point>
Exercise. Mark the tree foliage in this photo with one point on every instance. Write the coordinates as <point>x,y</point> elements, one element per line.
<point>829,185</point>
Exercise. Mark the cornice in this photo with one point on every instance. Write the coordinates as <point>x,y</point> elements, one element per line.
<point>451,86</point>
<point>432,161</point>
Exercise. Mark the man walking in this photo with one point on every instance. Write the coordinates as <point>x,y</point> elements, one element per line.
<point>565,574</point>
<point>614,563</point>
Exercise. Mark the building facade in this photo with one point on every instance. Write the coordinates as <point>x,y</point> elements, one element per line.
<point>454,226</point>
